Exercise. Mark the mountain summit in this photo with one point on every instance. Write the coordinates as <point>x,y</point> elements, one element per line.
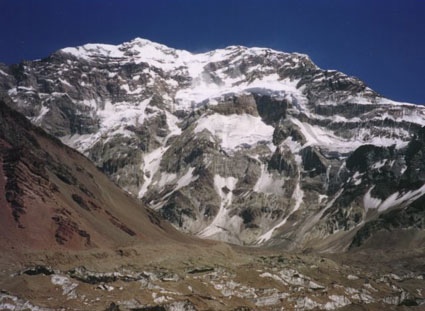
<point>245,145</point>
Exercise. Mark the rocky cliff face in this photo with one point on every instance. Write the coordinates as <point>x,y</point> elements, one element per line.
<point>247,145</point>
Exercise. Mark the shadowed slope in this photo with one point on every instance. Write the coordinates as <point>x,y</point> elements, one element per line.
<point>54,198</point>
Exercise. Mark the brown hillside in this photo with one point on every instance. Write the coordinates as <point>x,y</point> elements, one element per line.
<point>53,198</point>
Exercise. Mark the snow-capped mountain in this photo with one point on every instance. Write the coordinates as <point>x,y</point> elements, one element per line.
<point>246,145</point>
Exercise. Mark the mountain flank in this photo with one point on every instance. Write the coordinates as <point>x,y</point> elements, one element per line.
<point>246,145</point>
<point>53,198</point>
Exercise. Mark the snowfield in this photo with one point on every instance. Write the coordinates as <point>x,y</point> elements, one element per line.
<point>236,130</point>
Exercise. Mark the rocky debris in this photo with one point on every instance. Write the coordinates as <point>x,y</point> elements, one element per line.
<point>113,307</point>
<point>68,287</point>
<point>10,302</point>
<point>200,270</point>
<point>91,277</point>
<point>82,274</point>
<point>39,269</point>
<point>174,306</point>
<point>293,277</point>
<point>302,282</point>
<point>105,287</point>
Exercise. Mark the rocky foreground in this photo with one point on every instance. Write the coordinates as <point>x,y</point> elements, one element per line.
<point>218,278</point>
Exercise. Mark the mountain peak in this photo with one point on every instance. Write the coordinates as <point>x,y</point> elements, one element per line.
<point>92,50</point>
<point>140,49</point>
<point>141,42</point>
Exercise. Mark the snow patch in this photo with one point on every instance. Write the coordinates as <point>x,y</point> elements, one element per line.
<point>224,187</point>
<point>370,202</point>
<point>319,136</point>
<point>269,183</point>
<point>115,118</point>
<point>357,178</point>
<point>204,86</point>
<point>186,179</point>
<point>398,198</point>
<point>43,111</point>
<point>166,178</point>
<point>93,50</point>
<point>114,115</point>
<point>172,123</point>
<point>395,199</point>
<point>236,130</point>
<point>150,166</point>
<point>65,82</point>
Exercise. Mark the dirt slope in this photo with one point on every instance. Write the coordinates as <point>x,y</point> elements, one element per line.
<point>53,198</point>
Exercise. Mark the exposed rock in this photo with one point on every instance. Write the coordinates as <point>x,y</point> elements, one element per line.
<point>44,270</point>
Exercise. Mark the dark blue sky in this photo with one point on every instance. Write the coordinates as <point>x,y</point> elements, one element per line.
<point>380,41</point>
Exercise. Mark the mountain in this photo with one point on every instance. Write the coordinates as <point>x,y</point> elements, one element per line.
<point>247,145</point>
<point>55,199</point>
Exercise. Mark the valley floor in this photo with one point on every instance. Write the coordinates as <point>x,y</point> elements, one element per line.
<point>214,277</point>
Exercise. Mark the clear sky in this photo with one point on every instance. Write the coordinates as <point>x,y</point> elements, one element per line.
<point>381,42</point>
